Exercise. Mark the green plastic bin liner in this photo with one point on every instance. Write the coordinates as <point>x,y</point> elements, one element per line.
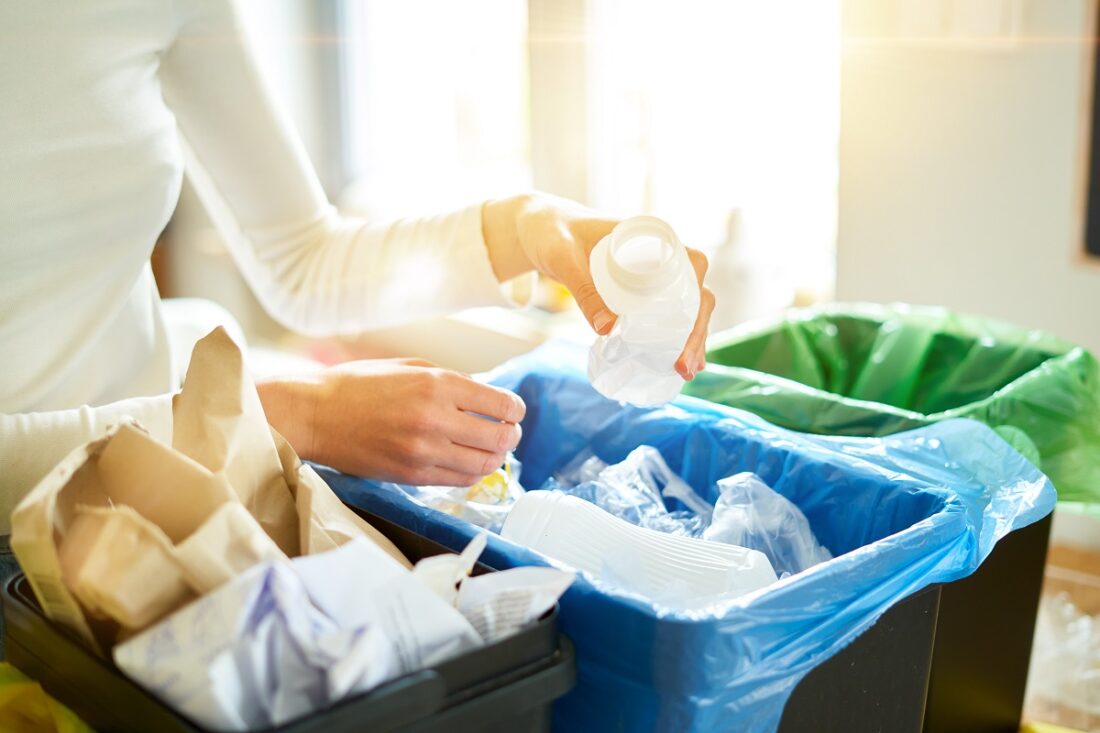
<point>874,370</point>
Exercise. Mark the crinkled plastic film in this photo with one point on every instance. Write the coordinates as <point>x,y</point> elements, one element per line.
<point>898,513</point>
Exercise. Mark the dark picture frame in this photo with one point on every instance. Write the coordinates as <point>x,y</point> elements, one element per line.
<point>1092,201</point>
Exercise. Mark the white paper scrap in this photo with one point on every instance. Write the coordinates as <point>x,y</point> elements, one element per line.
<point>500,604</point>
<point>287,638</point>
<point>444,573</point>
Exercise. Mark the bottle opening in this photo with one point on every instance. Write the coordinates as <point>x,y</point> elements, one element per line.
<point>642,254</point>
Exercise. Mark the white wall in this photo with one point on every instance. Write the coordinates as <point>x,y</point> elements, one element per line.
<point>962,160</point>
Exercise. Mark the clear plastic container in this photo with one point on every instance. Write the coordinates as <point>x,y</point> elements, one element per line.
<point>1064,682</point>
<point>643,273</point>
<point>680,572</point>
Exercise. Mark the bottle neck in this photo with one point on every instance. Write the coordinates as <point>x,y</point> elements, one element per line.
<point>642,255</point>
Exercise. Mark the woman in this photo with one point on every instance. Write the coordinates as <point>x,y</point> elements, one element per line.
<point>103,103</point>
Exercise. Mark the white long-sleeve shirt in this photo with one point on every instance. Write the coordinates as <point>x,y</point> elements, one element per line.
<point>100,104</point>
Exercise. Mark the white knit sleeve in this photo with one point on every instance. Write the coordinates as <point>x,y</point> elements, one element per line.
<point>313,270</point>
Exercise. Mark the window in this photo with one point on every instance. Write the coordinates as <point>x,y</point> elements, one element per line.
<point>1092,213</point>
<point>437,93</point>
<point>717,115</point>
<point>695,111</point>
<point>704,111</point>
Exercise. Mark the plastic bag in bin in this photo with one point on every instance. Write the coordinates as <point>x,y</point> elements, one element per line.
<point>898,513</point>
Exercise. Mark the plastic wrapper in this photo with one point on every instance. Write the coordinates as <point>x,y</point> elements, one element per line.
<point>748,512</point>
<point>875,370</point>
<point>632,490</point>
<point>751,514</point>
<point>898,513</point>
<point>1063,685</point>
<point>484,504</point>
<point>1064,681</point>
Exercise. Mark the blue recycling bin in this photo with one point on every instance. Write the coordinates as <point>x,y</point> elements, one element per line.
<point>900,514</point>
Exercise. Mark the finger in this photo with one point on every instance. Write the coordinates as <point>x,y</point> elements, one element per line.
<point>692,359</point>
<point>488,435</point>
<point>395,360</point>
<point>578,278</point>
<point>699,262</point>
<point>590,231</point>
<point>487,400</point>
<point>469,461</point>
<point>437,476</point>
<point>403,470</point>
<point>702,327</point>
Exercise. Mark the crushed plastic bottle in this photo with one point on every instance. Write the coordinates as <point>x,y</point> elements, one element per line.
<point>634,490</point>
<point>749,513</point>
<point>643,273</point>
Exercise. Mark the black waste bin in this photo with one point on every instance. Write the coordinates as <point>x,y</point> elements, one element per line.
<point>869,370</point>
<point>506,686</point>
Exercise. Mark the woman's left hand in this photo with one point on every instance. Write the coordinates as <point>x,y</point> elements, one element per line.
<point>555,236</point>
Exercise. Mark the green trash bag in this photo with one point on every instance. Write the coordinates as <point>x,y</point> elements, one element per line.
<point>871,370</point>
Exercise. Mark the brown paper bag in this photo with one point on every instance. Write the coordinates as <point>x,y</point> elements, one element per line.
<point>217,421</point>
<point>126,529</point>
<point>121,566</point>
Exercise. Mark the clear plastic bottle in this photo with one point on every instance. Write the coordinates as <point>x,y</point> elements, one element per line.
<point>643,273</point>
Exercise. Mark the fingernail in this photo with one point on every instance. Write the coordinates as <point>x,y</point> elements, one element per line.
<point>601,321</point>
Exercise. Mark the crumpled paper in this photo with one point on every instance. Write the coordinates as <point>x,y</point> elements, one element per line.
<point>287,638</point>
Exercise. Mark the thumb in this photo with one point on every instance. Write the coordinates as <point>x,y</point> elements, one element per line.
<point>579,281</point>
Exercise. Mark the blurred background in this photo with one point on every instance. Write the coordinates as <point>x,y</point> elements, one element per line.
<point>720,117</point>
<point>927,151</point>
<point>936,152</point>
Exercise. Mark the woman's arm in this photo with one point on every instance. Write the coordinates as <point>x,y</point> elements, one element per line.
<point>556,237</point>
<point>314,270</point>
<point>401,420</point>
<point>321,273</point>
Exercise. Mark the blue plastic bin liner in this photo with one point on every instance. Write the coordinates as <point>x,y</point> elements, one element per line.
<point>899,513</point>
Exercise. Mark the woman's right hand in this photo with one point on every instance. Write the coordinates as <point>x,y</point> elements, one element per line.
<point>402,420</point>
<point>556,237</point>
